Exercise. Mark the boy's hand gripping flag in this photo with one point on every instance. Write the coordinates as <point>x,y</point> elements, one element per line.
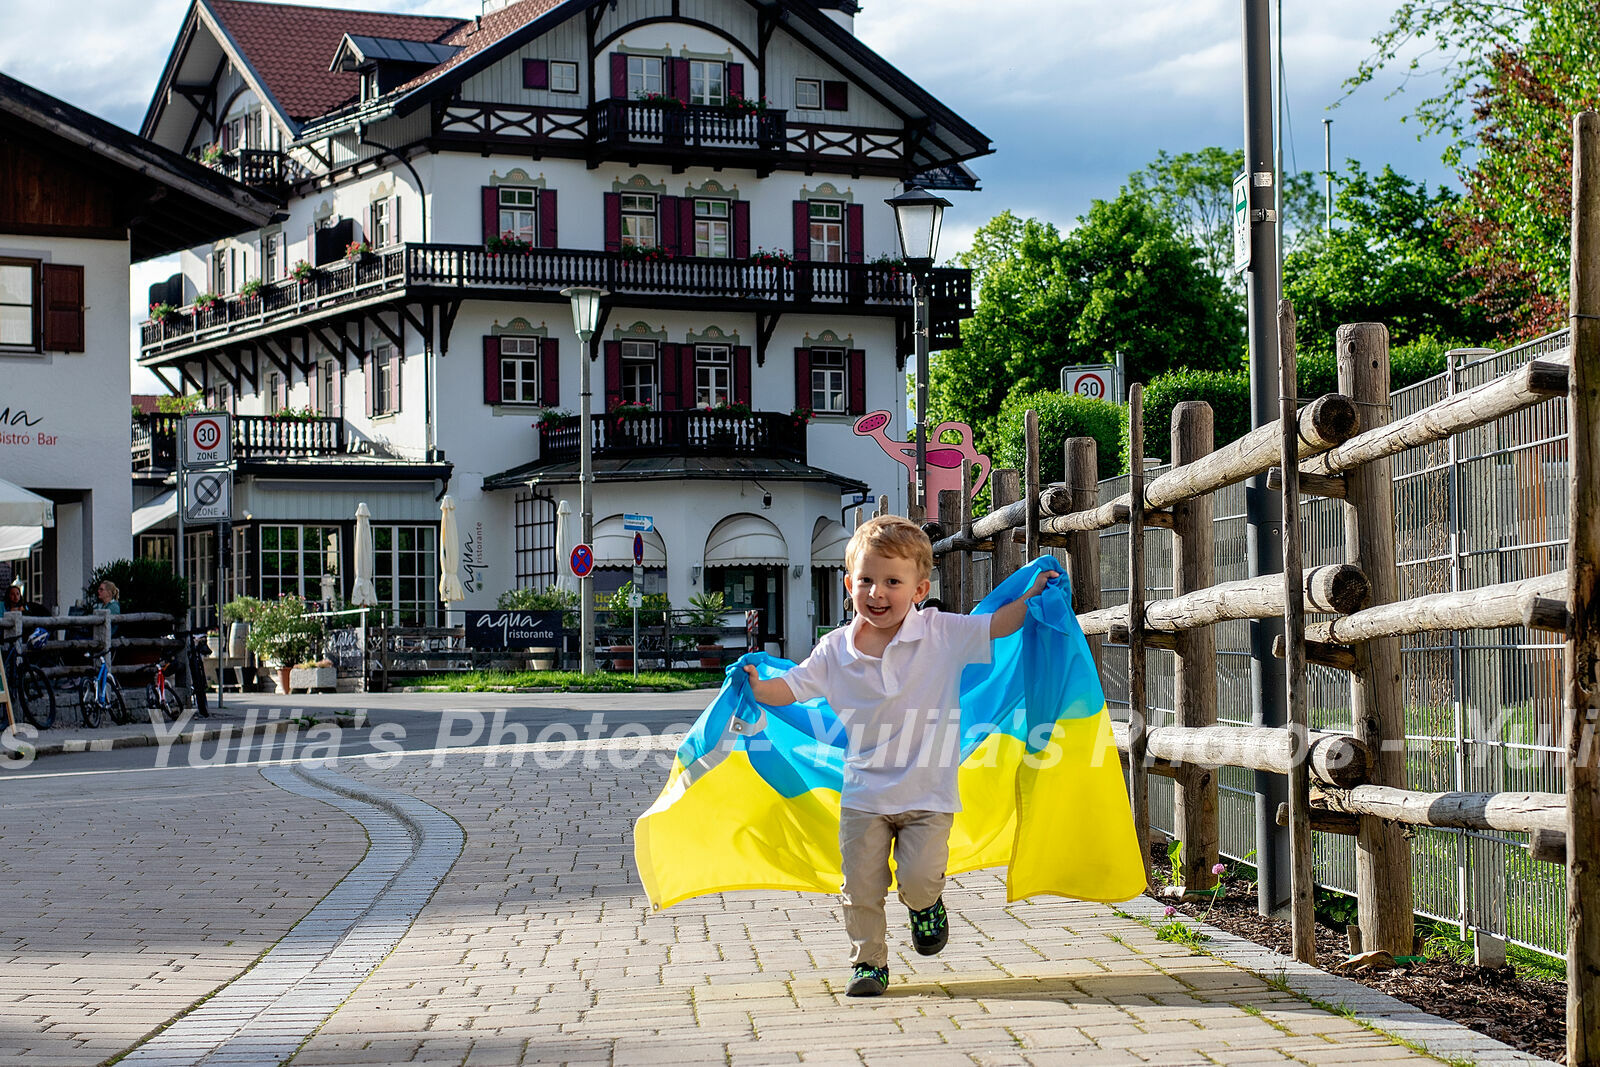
<point>752,801</point>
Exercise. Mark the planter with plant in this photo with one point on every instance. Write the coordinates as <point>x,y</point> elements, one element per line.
<point>508,244</point>
<point>801,417</point>
<point>644,253</point>
<point>744,105</point>
<point>205,302</point>
<point>356,250</point>
<point>777,257</point>
<point>162,312</point>
<point>281,633</point>
<point>550,598</point>
<point>652,614</point>
<point>302,271</point>
<point>251,289</point>
<point>706,610</point>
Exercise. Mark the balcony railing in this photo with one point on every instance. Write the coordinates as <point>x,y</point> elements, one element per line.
<point>700,126</point>
<point>155,438</point>
<point>768,434</point>
<point>257,166</point>
<point>867,287</point>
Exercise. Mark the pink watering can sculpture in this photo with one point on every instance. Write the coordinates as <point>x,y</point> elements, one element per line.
<point>944,459</point>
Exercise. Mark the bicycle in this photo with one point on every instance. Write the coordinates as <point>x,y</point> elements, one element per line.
<point>160,694</point>
<point>197,649</point>
<point>29,688</point>
<point>101,697</point>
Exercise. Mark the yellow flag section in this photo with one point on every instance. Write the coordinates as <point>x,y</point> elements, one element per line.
<point>752,801</point>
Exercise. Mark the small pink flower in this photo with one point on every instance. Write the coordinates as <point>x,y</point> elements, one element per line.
<point>1170,911</point>
<point>1219,868</point>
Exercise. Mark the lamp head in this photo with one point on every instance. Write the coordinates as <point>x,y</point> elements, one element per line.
<point>918,215</point>
<point>585,309</point>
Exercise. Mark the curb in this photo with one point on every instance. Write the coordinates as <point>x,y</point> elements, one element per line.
<point>25,750</point>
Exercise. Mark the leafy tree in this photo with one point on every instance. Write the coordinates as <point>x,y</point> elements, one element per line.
<point>1123,280</point>
<point>1388,261</point>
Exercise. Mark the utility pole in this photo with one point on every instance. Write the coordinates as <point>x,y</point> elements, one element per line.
<point>1327,175</point>
<point>1263,508</point>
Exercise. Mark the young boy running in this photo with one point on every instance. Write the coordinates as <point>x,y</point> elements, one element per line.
<point>893,678</point>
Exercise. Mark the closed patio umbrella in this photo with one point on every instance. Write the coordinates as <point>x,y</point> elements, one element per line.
<point>362,592</point>
<point>449,555</point>
<point>563,546</point>
<point>18,507</point>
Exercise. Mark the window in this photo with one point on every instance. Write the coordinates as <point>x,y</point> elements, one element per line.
<point>713,375</point>
<point>827,380</point>
<point>220,398</point>
<point>519,370</point>
<point>272,261</point>
<point>706,83</point>
<point>403,571</point>
<point>519,213</point>
<point>19,318</point>
<point>827,231</point>
<point>158,547</point>
<point>535,532</point>
<point>293,560</point>
<point>382,223</point>
<point>200,564</point>
<point>369,84</point>
<point>639,220</point>
<point>644,76</point>
<point>563,76</point>
<point>383,372</point>
<point>219,271</point>
<point>327,388</point>
<point>274,392</point>
<point>711,228</point>
<point>808,94</point>
<point>639,372</point>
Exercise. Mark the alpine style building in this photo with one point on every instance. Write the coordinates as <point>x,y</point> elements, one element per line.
<point>397,330</point>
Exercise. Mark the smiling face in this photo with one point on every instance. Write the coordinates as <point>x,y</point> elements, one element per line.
<point>883,588</point>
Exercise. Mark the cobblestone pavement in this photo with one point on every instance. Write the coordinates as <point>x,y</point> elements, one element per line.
<point>539,947</point>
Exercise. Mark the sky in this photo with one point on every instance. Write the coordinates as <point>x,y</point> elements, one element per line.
<point>1073,94</point>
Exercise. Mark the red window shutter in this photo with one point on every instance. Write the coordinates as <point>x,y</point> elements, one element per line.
<point>735,79</point>
<point>371,376</point>
<point>491,370</point>
<point>856,373</point>
<point>282,391</point>
<point>685,226</point>
<point>853,243</point>
<point>613,373</point>
<point>836,96</point>
<point>491,213</point>
<point>686,377</point>
<point>535,74</point>
<point>394,217</point>
<point>802,377</point>
<point>395,365</point>
<point>62,289</point>
<point>613,222</point>
<point>550,372</point>
<point>619,76</point>
<point>741,229</point>
<point>802,229</point>
<point>680,79</point>
<point>667,212</point>
<point>741,374</point>
<point>548,236</point>
<point>670,397</point>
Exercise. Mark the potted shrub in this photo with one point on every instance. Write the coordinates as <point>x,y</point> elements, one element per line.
<point>551,598</point>
<point>303,271</point>
<point>707,609</point>
<point>281,634</point>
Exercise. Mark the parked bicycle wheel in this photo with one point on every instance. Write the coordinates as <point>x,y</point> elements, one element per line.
<point>38,698</point>
<point>168,703</point>
<point>116,706</point>
<point>90,710</point>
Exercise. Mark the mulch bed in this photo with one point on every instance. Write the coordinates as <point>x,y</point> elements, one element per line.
<point>1525,1013</point>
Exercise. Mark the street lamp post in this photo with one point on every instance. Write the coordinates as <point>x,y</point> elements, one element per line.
<point>585,318</point>
<point>917,216</point>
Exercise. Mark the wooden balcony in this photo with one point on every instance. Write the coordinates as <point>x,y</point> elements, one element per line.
<point>255,437</point>
<point>764,434</point>
<point>261,168</point>
<point>649,129</point>
<point>452,271</point>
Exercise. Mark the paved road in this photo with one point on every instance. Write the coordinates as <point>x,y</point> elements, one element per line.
<point>243,902</point>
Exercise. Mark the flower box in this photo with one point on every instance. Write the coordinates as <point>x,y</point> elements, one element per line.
<point>314,679</point>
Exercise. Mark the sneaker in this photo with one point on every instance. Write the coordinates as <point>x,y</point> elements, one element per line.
<point>867,981</point>
<point>930,928</point>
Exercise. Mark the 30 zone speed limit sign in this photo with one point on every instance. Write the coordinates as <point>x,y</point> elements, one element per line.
<point>207,440</point>
<point>1094,382</point>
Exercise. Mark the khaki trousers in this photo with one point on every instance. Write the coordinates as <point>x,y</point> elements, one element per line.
<point>921,841</point>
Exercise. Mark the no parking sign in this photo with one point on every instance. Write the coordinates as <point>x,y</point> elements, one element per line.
<point>582,560</point>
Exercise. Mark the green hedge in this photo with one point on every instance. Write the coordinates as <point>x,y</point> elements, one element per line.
<point>1061,416</point>
<point>1228,393</point>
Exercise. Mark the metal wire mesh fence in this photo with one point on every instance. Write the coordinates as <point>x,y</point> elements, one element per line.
<point>1482,706</point>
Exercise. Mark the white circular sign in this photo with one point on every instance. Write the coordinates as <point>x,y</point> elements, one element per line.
<point>1091,385</point>
<point>206,435</point>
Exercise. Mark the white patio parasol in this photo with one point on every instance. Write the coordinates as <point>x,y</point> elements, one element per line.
<point>449,556</point>
<point>563,547</point>
<point>362,592</point>
<point>23,517</point>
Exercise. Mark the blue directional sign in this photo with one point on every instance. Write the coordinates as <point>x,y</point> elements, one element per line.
<point>638,549</point>
<point>582,560</point>
<point>641,523</point>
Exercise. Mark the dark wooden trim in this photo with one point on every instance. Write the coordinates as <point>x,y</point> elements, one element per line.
<point>397,338</point>
<point>447,323</point>
<point>710,27</point>
<point>199,113</point>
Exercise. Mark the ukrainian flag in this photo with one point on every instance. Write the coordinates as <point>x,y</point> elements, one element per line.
<point>752,801</point>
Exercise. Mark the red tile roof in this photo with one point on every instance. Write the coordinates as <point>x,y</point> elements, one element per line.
<point>290,46</point>
<point>474,35</point>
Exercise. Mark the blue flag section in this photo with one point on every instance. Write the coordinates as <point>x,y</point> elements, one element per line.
<point>752,801</point>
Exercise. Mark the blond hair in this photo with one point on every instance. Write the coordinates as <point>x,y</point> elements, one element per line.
<point>891,535</point>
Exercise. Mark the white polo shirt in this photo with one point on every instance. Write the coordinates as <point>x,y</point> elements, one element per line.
<point>901,711</point>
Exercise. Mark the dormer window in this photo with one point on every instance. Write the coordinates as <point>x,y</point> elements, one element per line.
<point>369,84</point>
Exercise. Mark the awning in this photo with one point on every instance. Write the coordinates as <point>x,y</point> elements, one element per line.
<point>745,541</point>
<point>157,511</point>
<point>828,541</point>
<point>613,546</point>
<point>18,507</point>
<point>16,542</point>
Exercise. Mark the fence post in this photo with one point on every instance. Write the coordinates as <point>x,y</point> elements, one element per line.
<point>1383,855</point>
<point>1138,769</point>
<point>1194,816</point>
<point>968,593</point>
<point>1030,486</point>
<point>950,591</point>
<point>1581,698</point>
<point>1005,487</point>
